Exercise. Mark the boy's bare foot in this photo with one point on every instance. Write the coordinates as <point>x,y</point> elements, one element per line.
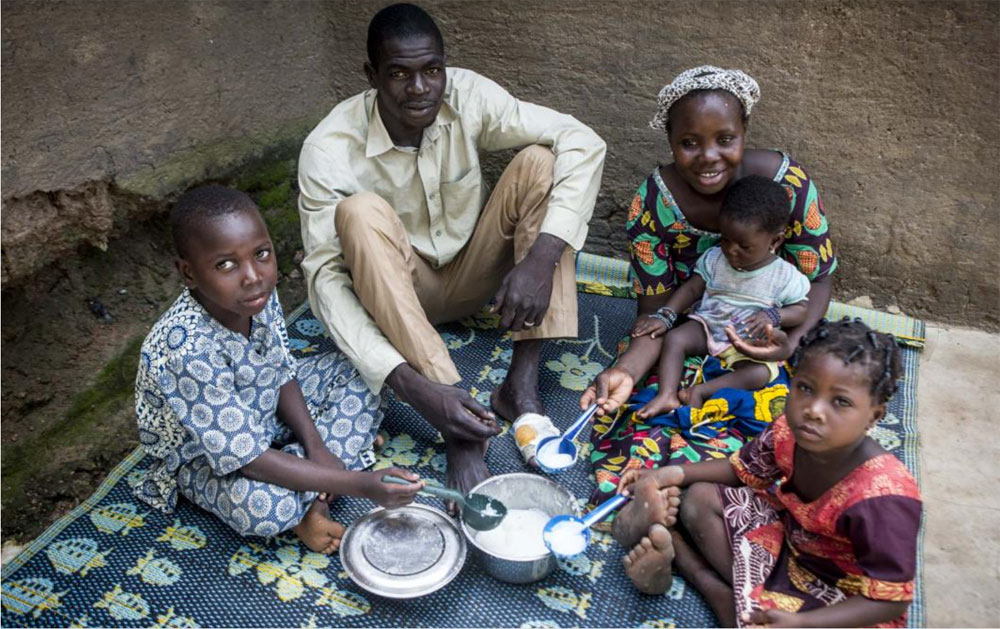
<point>692,396</point>
<point>648,563</point>
<point>649,505</point>
<point>662,403</point>
<point>317,531</point>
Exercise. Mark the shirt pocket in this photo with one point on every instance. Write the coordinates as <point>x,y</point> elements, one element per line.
<point>461,201</point>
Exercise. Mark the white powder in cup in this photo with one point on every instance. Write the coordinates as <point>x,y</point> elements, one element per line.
<point>567,538</point>
<point>550,456</point>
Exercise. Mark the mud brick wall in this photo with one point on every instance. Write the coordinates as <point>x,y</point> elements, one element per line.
<point>111,107</point>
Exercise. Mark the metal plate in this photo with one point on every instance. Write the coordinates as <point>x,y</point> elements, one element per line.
<point>403,553</point>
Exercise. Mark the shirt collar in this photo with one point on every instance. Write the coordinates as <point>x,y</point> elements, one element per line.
<point>379,142</point>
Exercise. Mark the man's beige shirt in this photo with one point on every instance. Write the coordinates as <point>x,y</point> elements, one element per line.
<point>437,190</point>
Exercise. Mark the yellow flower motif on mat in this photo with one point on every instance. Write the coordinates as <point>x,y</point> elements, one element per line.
<point>342,602</point>
<point>123,605</point>
<point>659,623</point>
<point>399,450</point>
<point>574,374</point>
<point>565,600</point>
<point>595,288</point>
<point>482,320</point>
<point>293,571</point>
<point>769,402</point>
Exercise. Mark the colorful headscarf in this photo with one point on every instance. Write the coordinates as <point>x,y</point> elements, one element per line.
<point>736,82</point>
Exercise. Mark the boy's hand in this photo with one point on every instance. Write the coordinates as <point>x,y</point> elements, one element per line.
<point>647,324</point>
<point>390,495</point>
<point>770,618</point>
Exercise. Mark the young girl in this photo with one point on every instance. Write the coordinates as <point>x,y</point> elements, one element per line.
<point>741,283</point>
<point>218,397</point>
<point>811,524</point>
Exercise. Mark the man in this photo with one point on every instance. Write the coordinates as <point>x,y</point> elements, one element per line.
<point>397,237</point>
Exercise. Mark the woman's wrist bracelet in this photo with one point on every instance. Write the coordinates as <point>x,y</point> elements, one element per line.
<point>666,315</point>
<point>774,315</point>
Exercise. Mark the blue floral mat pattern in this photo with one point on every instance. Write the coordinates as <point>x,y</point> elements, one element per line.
<point>114,562</point>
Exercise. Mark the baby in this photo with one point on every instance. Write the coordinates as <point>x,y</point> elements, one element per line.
<point>741,283</point>
<point>233,422</point>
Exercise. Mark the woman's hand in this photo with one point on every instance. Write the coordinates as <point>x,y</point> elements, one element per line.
<point>610,389</point>
<point>647,324</point>
<point>774,346</point>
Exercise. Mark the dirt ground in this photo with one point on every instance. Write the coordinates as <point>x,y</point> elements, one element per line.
<point>68,371</point>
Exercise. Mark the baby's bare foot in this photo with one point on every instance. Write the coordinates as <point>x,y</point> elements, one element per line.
<point>662,403</point>
<point>649,505</point>
<point>648,563</point>
<point>693,397</point>
<point>317,531</point>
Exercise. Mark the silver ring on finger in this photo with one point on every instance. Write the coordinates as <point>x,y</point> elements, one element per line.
<point>529,324</point>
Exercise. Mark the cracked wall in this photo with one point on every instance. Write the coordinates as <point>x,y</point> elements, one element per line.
<point>111,108</point>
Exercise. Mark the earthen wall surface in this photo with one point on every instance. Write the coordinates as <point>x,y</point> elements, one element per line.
<point>109,108</point>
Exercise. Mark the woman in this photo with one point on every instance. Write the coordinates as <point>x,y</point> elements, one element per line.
<point>673,219</point>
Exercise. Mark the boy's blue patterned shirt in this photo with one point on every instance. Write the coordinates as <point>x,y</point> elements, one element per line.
<point>203,390</point>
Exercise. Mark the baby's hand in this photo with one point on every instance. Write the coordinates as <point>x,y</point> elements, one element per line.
<point>755,326</point>
<point>770,618</point>
<point>647,324</point>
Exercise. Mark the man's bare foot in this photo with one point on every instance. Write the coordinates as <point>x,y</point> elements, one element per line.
<point>692,396</point>
<point>510,402</point>
<point>649,505</point>
<point>317,531</point>
<point>466,467</point>
<point>648,563</point>
<point>662,403</point>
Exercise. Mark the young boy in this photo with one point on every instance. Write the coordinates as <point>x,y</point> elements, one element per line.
<point>740,283</point>
<point>218,394</point>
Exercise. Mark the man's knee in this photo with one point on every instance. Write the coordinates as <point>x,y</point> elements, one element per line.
<point>537,158</point>
<point>359,212</point>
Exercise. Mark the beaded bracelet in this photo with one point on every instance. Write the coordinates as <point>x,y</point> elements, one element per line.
<point>774,315</point>
<point>666,315</point>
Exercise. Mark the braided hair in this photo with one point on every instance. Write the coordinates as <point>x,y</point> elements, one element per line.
<point>854,342</point>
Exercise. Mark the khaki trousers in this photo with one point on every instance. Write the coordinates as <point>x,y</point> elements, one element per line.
<point>406,296</point>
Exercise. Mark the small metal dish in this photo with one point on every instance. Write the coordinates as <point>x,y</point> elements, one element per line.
<point>403,553</point>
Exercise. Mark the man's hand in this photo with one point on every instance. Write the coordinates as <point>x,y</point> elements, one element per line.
<point>524,295</point>
<point>448,408</point>
<point>773,346</point>
<point>610,389</point>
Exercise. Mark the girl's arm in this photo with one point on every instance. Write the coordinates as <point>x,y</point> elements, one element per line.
<point>718,471</point>
<point>855,611</point>
<point>287,470</point>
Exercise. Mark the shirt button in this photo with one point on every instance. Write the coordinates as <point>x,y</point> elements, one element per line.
<point>434,195</point>
<point>437,233</point>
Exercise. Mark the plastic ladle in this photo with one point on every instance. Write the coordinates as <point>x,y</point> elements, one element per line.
<point>557,453</point>
<point>480,512</point>
<point>567,535</point>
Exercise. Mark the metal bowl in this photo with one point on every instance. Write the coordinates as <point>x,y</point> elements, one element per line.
<point>403,553</point>
<point>521,491</point>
